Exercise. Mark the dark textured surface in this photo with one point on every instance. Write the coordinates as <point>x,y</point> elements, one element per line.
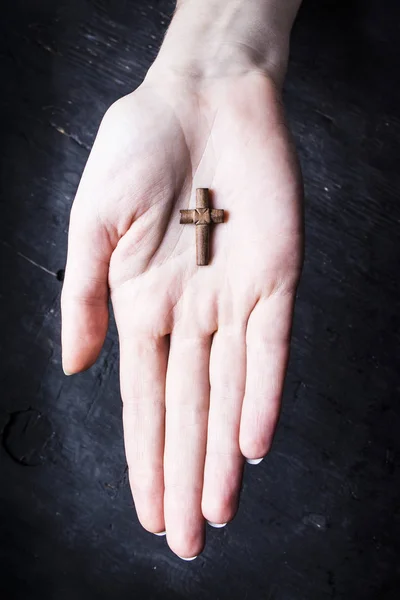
<point>319,518</point>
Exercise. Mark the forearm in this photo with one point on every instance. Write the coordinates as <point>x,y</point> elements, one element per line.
<point>212,38</point>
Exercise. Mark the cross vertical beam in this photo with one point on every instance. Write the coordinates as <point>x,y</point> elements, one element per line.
<point>202,216</point>
<point>202,228</point>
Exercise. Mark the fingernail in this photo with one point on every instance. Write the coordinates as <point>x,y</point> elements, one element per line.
<point>66,373</point>
<point>254,461</point>
<point>161,533</point>
<point>216,525</point>
<point>187,559</point>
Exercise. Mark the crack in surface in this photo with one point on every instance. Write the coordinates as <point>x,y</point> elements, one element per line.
<point>71,136</point>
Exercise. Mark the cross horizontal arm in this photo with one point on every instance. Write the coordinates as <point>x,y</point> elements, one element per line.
<point>187,216</point>
<point>217,215</point>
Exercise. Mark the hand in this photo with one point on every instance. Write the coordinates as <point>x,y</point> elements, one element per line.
<point>203,349</point>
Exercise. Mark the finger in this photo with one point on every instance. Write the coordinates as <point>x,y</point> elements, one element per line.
<point>268,336</point>
<point>187,398</point>
<point>84,301</point>
<point>224,461</point>
<point>142,373</point>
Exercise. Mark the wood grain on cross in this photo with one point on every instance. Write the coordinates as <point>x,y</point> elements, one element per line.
<point>203,217</point>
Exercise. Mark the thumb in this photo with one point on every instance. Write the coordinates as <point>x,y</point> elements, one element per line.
<point>84,299</point>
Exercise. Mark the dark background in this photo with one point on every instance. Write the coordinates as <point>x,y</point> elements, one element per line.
<point>319,519</point>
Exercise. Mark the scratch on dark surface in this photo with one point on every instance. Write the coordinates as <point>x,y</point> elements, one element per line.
<point>48,48</point>
<point>30,260</point>
<point>114,487</point>
<point>295,571</point>
<point>71,136</point>
<point>103,371</point>
<point>294,462</point>
<point>328,118</point>
<point>165,16</point>
<point>37,264</point>
<point>58,396</point>
<point>89,410</point>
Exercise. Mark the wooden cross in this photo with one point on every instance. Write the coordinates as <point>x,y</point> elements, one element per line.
<point>202,216</point>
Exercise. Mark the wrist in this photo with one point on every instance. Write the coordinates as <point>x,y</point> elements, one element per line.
<point>221,38</point>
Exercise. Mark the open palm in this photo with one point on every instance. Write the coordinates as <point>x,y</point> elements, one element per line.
<point>203,349</point>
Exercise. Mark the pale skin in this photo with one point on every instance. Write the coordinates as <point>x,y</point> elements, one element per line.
<point>203,350</point>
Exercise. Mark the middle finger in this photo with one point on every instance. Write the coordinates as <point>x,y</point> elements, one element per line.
<point>187,400</point>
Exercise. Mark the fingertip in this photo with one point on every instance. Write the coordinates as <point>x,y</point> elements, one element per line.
<point>254,461</point>
<point>216,525</point>
<point>82,361</point>
<point>186,544</point>
<point>82,340</point>
<point>256,444</point>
